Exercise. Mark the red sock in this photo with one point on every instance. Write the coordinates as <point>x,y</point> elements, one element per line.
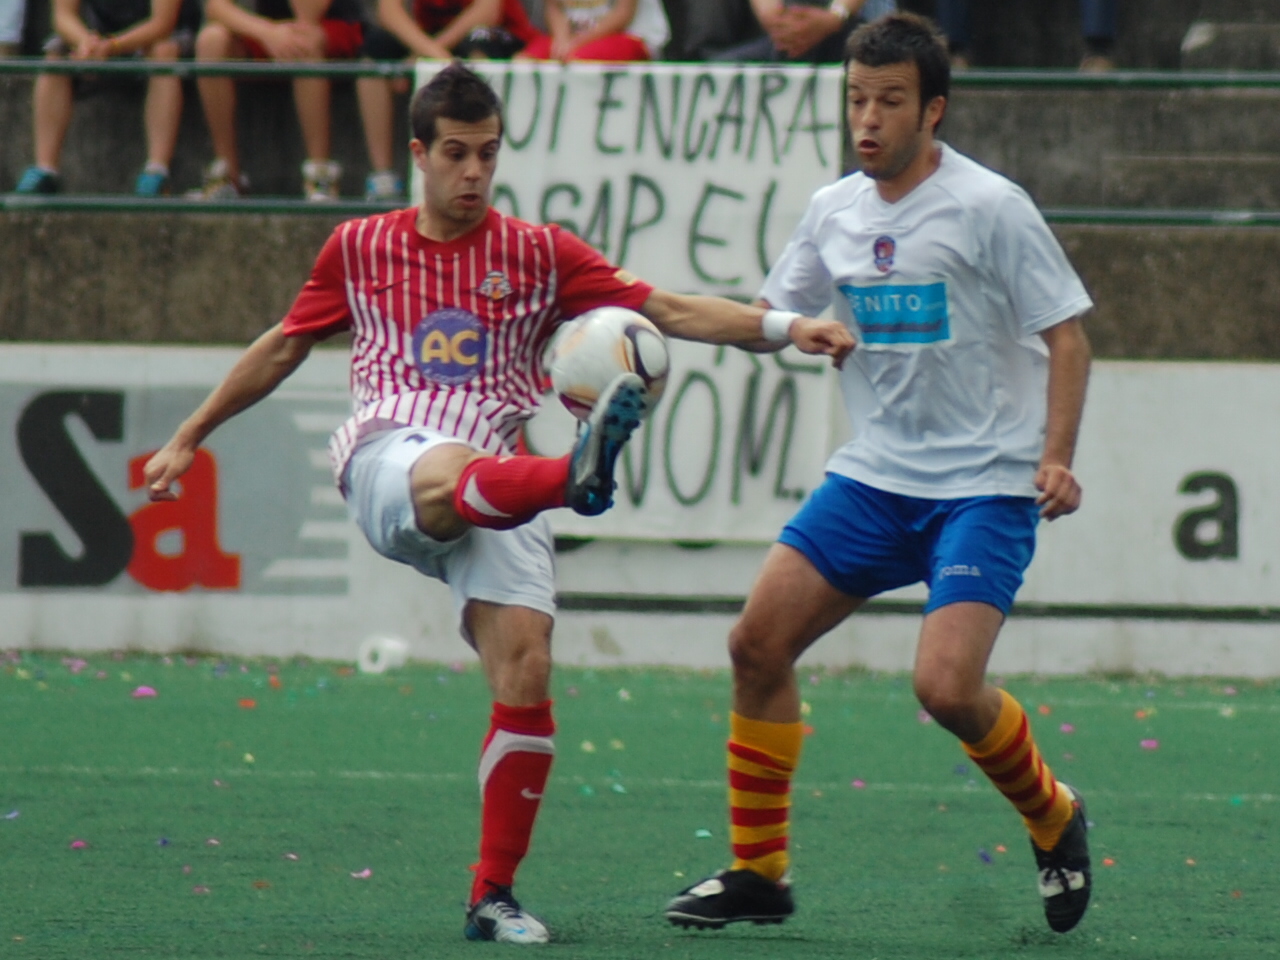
<point>514,764</point>
<point>504,492</point>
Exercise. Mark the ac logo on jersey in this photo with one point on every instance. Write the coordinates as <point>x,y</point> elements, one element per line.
<point>883,251</point>
<point>495,286</point>
<point>449,346</point>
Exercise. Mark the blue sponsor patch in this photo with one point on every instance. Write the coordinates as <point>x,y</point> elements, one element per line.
<point>449,346</point>
<point>900,313</point>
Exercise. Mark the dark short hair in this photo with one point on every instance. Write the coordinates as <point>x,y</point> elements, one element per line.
<point>457,93</point>
<point>902,38</point>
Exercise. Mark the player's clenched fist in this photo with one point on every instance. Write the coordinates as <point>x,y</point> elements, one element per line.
<point>1060,492</point>
<point>165,466</point>
<point>828,337</point>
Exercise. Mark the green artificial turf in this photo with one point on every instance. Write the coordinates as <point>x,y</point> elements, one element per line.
<point>350,772</point>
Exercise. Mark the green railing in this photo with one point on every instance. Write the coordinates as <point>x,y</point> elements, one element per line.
<point>123,203</point>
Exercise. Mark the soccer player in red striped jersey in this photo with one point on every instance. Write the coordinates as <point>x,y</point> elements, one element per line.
<point>449,305</point>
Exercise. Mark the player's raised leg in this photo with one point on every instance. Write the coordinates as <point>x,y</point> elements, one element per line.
<point>514,644</point>
<point>955,644</point>
<point>791,606</point>
<point>455,487</point>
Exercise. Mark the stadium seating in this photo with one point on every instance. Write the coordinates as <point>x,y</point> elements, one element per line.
<point>1108,157</point>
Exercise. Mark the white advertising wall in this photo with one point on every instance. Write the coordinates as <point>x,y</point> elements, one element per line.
<point>1170,565</point>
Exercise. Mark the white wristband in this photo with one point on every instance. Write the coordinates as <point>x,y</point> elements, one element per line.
<point>775,325</point>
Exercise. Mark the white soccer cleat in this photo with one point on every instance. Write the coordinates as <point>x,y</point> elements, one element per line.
<point>497,916</point>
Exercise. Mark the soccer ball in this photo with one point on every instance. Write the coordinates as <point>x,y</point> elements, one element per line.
<point>593,349</point>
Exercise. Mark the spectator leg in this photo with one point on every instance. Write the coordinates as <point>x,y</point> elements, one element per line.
<point>953,18</point>
<point>377,113</point>
<point>218,94</point>
<point>163,112</point>
<point>1098,24</point>
<point>51,113</point>
<point>311,98</point>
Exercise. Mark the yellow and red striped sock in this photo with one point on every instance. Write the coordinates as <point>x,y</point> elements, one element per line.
<point>1009,757</point>
<point>762,758</point>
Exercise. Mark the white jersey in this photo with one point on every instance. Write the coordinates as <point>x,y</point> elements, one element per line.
<point>946,292</point>
<point>649,23</point>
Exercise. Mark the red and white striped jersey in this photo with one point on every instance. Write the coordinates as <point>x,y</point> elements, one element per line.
<point>450,336</point>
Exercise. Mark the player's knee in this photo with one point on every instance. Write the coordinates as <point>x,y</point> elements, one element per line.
<point>754,658</point>
<point>946,700</point>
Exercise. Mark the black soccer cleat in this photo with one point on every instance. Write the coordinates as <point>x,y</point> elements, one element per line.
<point>615,416</point>
<point>731,896</point>
<point>1065,879</point>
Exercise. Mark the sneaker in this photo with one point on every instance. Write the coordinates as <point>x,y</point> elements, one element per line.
<point>1065,878</point>
<point>732,896</point>
<point>497,916</point>
<point>320,180</point>
<point>151,183</point>
<point>38,180</point>
<point>383,185</point>
<point>219,184</point>
<point>616,414</point>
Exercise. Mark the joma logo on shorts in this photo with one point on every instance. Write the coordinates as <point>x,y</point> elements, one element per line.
<point>959,570</point>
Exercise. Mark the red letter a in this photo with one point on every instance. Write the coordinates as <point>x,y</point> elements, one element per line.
<point>194,515</point>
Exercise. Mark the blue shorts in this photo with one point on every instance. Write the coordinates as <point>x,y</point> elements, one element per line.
<point>865,541</point>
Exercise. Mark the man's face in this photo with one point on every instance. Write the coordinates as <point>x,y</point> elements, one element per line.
<point>885,121</point>
<point>458,168</point>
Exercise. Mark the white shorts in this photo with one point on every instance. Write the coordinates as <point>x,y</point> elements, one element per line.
<point>511,567</point>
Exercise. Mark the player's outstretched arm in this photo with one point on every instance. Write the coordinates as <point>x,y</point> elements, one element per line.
<point>261,368</point>
<point>1069,357</point>
<point>717,320</point>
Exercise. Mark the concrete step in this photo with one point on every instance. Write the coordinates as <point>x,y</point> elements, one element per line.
<point>1167,286</point>
<point>1212,45</point>
<point>1114,143</point>
<point>1081,146</point>
<point>105,147</point>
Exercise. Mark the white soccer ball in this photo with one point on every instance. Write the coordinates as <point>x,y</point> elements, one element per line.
<point>593,349</point>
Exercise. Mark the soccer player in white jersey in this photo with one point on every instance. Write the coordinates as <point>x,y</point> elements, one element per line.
<point>450,305</point>
<point>965,393</point>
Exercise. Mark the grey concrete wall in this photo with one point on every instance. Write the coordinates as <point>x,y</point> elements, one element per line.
<point>1206,148</point>
<point>1162,292</point>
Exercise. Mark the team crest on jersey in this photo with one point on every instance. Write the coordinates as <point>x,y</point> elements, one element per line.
<point>883,251</point>
<point>449,346</point>
<point>495,286</point>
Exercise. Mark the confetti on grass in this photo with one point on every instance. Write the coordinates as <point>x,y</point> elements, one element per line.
<point>859,784</point>
<point>364,874</point>
<point>1067,728</point>
<point>143,692</point>
<point>78,844</point>
<point>13,815</point>
<point>1150,744</point>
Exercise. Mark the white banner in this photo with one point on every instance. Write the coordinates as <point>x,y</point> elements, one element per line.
<point>692,176</point>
